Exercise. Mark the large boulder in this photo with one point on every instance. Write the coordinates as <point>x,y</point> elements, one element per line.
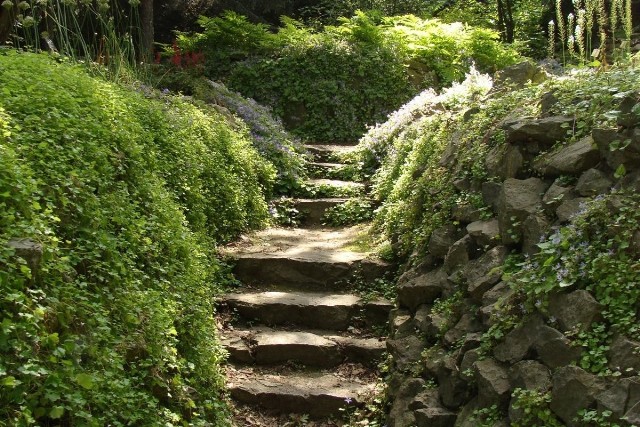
<point>406,351</point>
<point>593,182</point>
<point>530,375</point>
<point>574,389</point>
<point>571,208</point>
<point>621,398</point>
<point>429,412</point>
<point>493,382</point>
<point>624,355</point>
<point>544,132</point>
<point>575,310</point>
<point>535,228</point>
<point>504,161</point>
<point>518,200</point>
<point>483,273</point>
<point>422,289</point>
<point>484,233</point>
<point>553,348</point>
<point>466,325</point>
<point>400,415</point>
<point>570,159</point>
<point>460,253</point>
<point>491,194</point>
<point>442,239</point>
<point>556,194</point>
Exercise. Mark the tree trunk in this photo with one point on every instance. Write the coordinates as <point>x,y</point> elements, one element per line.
<point>147,36</point>
<point>6,22</point>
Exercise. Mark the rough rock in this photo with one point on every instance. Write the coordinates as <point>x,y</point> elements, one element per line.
<point>627,143</point>
<point>368,351</point>
<point>467,324</point>
<point>423,289</point>
<point>515,346</point>
<point>29,250</point>
<point>545,131</point>
<point>460,253</point>
<point>570,159</point>
<point>504,161</point>
<point>570,208</point>
<point>465,213</point>
<point>483,273</point>
<point>406,351</point>
<point>519,75</point>
<point>624,355</point>
<point>620,398</point>
<point>442,239</point>
<point>557,194</point>
<point>627,117</point>
<point>400,415</point>
<point>592,183</point>
<point>573,389</point>
<point>530,375</point>
<point>518,200</point>
<point>433,325</point>
<point>468,361</point>
<point>429,412</point>
<point>493,383</point>
<point>577,309</point>
<point>553,348</point>
<point>535,227</point>
<point>494,294</point>
<point>484,233</point>
<point>491,194</point>
<point>547,101</point>
<point>453,389</point>
<point>401,323</point>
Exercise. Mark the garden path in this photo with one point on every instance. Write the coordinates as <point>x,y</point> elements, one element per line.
<point>302,346</point>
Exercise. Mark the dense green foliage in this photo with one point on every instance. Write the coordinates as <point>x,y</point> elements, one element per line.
<point>126,192</point>
<point>267,133</point>
<point>329,85</point>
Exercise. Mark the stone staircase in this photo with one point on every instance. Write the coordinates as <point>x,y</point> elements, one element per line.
<point>298,341</point>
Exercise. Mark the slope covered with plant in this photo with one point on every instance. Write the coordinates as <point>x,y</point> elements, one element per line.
<point>330,84</point>
<point>514,209</point>
<point>112,200</point>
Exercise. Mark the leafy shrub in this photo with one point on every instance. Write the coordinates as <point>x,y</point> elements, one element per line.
<point>351,212</point>
<point>329,85</point>
<point>125,195</point>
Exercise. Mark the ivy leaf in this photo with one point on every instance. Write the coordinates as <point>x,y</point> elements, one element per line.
<point>56,412</point>
<point>9,382</point>
<point>85,381</point>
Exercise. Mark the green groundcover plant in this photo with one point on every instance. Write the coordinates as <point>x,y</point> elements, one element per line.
<point>126,192</point>
<point>330,84</point>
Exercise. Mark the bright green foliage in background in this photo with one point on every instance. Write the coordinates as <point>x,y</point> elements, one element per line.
<point>329,85</point>
<point>126,192</point>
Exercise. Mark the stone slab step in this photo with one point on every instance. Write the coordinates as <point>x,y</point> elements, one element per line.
<point>311,310</point>
<point>323,187</point>
<point>318,395</point>
<point>265,346</point>
<point>313,210</point>
<point>329,152</point>
<point>323,169</point>
<point>307,271</point>
<point>303,259</point>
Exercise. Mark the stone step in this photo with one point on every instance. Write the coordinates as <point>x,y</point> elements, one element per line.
<point>329,152</point>
<point>313,210</point>
<point>312,271</point>
<point>312,310</point>
<point>324,169</point>
<point>321,187</point>
<point>264,346</point>
<point>316,394</point>
<point>303,259</point>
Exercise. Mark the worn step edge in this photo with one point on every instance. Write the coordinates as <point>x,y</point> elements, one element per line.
<point>304,272</point>
<point>322,349</point>
<point>313,310</point>
<point>318,396</point>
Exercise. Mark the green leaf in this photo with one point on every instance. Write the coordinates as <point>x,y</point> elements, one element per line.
<point>620,172</point>
<point>85,381</point>
<point>56,412</point>
<point>9,382</point>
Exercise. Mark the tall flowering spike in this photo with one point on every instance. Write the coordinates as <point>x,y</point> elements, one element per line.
<point>628,21</point>
<point>551,47</point>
